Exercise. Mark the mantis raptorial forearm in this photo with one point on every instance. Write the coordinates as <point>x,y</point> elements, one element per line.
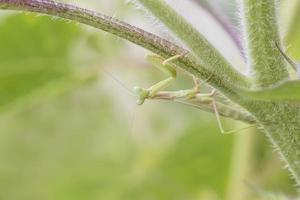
<point>192,97</point>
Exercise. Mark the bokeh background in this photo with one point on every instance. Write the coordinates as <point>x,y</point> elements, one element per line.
<point>70,128</point>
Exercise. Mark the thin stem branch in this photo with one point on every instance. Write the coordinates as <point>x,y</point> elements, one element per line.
<point>241,164</point>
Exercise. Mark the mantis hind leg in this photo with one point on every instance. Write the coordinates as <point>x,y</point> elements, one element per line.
<point>218,117</point>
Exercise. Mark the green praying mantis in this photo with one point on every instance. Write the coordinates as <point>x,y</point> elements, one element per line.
<point>192,97</point>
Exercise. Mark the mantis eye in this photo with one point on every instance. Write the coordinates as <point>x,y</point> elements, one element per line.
<point>141,94</point>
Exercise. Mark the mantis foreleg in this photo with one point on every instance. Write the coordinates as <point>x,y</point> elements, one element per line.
<point>163,65</point>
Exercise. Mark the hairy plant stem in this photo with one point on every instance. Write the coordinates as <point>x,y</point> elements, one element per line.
<point>280,120</point>
<point>261,33</point>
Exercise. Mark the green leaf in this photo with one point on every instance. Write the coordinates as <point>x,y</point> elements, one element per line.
<point>35,54</point>
<point>288,91</point>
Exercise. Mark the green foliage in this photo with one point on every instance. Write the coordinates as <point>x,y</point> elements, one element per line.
<point>33,52</point>
<point>36,60</point>
<point>64,151</point>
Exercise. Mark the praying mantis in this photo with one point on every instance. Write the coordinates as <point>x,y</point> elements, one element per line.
<point>192,97</point>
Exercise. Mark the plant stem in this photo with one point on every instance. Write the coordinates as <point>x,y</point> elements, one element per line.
<point>280,120</point>
<point>240,164</point>
<point>267,65</point>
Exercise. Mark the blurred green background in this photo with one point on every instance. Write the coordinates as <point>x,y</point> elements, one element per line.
<point>70,129</point>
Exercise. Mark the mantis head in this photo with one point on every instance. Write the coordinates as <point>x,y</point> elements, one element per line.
<point>141,94</point>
